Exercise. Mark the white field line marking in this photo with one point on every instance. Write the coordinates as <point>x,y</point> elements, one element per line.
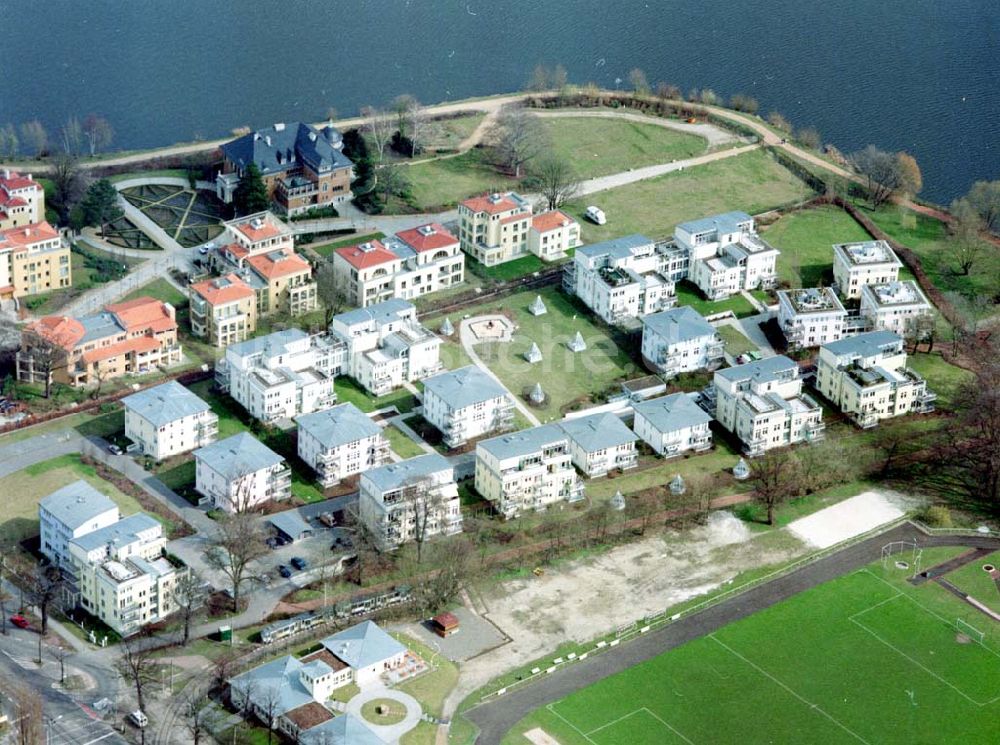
<point>811,705</point>
<point>102,737</point>
<point>672,729</point>
<point>652,714</point>
<point>615,721</point>
<point>582,733</point>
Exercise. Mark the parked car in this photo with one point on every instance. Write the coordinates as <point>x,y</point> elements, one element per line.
<point>282,541</point>
<point>299,563</point>
<point>284,571</point>
<point>327,519</point>
<point>114,449</point>
<point>596,214</point>
<point>272,542</point>
<point>20,621</point>
<point>139,719</point>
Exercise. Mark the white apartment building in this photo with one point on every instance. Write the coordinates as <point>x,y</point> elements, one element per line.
<point>120,576</point>
<point>726,254</point>
<point>680,340</point>
<point>168,420</point>
<point>626,277</point>
<point>69,513</point>
<point>762,403</point>
<point>672,424</point>
<point>497,228</point>
<point>240,473</point>
<point>465,404</point>
<point>865,263</point>
<point>866,377</point>
<point>400,500</point>
<point>386,345</point>
<point>527,470</point>
<point>283,374</point>
<point>552,234</point>
<point>892,306</point>
<point>410,264</point>
<point>599,443</point>
<point>810,317</point>
<point>340,442</point>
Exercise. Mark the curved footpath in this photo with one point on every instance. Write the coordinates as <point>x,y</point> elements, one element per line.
<point>499,715</point>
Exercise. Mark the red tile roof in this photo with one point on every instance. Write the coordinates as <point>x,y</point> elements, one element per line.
<point>62,331</point>
<point>547,221</point>
<point>362,258</point>
<point>428,237</point>
<point>143,313</point>
<point>487,203</point>
<point>219,292</point>
<point>516,218</point>
<point>236,250</point>
<point>278,264</point>
<point>138,344</point>
<point>269,228</point>
<point>11,180</point>
<point>21,238</point>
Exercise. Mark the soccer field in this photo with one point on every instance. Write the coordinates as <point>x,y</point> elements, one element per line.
<point>864,658</point>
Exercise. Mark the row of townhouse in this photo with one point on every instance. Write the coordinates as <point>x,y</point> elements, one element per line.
<point>34,257</point>
<point>259,274</point>
<point>129,338</point>
<point>497,228</point>
<point>113,567</point>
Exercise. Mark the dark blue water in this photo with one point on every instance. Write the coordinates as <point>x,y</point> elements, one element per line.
<point>919,75</point>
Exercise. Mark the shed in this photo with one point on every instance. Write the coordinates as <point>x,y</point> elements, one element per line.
<point>291,525</point>
<point>445,624</point>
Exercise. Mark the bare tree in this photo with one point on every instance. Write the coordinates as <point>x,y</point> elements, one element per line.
<point>45,357</point>
<point>29,725</point>
<point>912,181</point>
<point>557,180</point>
<point>136,665</point>
<point>919,329</point>
<point>881,171</point>
<point>34,136</point>
<point>71,136</point>
<point>539,79</point>
<point>9,142</point>
<point>99,133</point>
<point>189,595</point>
<point>267,705</point>
<point>60,654</point>
<point>560,78</point>
<point>809,137</point>
<point>45,586</point>
<point>984,198</point>
<point>966,227</point>
<point>452,566</point>
<point>198,716</point>
<point>779,122</point>
<point>239,541</point>
<point>330,290</point>
<point>709,97</point>
<point>68,185</point>
<point>411,120</point>
<point>668,91</point>
<point>637,79</point>
<point>517,137</point>
<point>378,128</point>
<point>363,540</point>
<point>425,502</point>
<point>773,479</point>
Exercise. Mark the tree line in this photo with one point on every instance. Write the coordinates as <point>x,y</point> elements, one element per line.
<point>75,137</point>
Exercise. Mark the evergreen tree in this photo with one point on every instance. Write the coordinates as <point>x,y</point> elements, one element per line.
<point>251,194</point>
<point>100,204</point>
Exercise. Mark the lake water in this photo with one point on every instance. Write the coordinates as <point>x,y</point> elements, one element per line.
<point>919,75</point>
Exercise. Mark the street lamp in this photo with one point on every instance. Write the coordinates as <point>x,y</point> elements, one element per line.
<point>48,727</point>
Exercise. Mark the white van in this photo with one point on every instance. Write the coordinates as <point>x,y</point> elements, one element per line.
<point>596,214</point>
<point>139,719</point>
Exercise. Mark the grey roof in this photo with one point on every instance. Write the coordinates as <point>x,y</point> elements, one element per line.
<point>238,456</point>
<point>726,221</point>
<point>165,403</point>
<point>390,477</point>
<point>280,676</point>
<point>523,442</point>
<point>384,312</point>
<point>598,431</point>
<point>362,645</point>
<point>863,344</point>
<point>617,248</point>
<point>99,326</point>
<point>345,729</point>
<point>463,387</point>
<point>316,148</point>
<point>678,324</point>
<point>76,503</point>
<point>291,523</point>
<point>119,533</point>
<point>340,425</point>
<point>673,412</point>
<point>274,343</point>
<point>761,370</point>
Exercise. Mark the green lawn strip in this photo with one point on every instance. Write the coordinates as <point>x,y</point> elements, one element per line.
<point>160,289</point>
<point>402,445</point>
<point>603,146</point>
<point>350,392</point>
<point>942,378</point>
<point>24,489</point>
<point>71,421</point>
<point>159,173</point>
<point>424,733</point>
<point>508,270</point>
<point>979,584</point>
<point>453,354</point>
<point>328,248</point>
<point>736,342</point>
<point>689,294</point>
<point>752,182</point>
<point>445,182</point>
<point>566,377</point>
<point>433,687</point>
<point>104,425</point>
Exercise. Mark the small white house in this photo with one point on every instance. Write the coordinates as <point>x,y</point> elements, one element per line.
<point>240,473</point>
<point>600,443</point>
<point>810,317</point>
<point>673,424</point>
<point>680,340</point>
<point>340,442</point>
<point>893,306</point>
<point>865,263</point>
<point>168,420</point>
<point>70,512</point>
<point>465,404</point>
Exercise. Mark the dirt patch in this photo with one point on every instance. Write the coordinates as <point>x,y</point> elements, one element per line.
<point>538,736</point>
<point>961,638</point>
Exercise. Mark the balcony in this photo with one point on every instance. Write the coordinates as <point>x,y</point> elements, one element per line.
<point>574,491</point>
<point>814,431</point>
<point>627,460</point>
<point>925,402</point>
<point>865,419</point>
<point>715,350</point>
<point>755,447</point>
<point>280,484</point>
<point>569,278</point>
<point>794,334</point>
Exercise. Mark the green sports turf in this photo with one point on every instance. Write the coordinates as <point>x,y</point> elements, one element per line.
<point>864,658</point>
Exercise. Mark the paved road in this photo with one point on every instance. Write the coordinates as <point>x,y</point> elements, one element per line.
<point>497,717</point>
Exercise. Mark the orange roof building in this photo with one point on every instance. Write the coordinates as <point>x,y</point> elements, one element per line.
<point>33,258</point>
<point>223,310</point>
<point>22,200</point>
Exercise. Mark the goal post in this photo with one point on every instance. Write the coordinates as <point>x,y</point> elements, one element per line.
<point>969,630</point>
<point>906,549</point>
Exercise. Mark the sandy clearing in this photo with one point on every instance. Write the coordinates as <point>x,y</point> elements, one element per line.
<point>849,518</point>
<point>540,737</point>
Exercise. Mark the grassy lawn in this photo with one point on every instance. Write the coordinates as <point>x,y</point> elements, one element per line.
<point>160,289</point>
<point>508,270</point>
<point>452,353</point>
<point>350,392</point>
<point>172,172</point>
<point>24,489</point>
<point>328,248</point>
<point>811,677</point>
<point>979,584</point>
<point>942,378</point>
<point>736,342</point>
<point>565,376</point>
<point>752,182</point>
<point>68,422</point>
<point>433,687</point>
<point>600,147</point>
<point>402,445</point>
<point>383,711</point>
<point>689,294</point>
<point>445,182</point>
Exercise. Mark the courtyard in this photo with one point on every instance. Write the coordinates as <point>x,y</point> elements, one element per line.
<point>189,217</point>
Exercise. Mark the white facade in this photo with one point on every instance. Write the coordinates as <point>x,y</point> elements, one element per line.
<point>726,254</point>
<point>672,425</point>
<point>386,345</point>
<point>465,404</point>
<point>552,234</point>
<point>599,443</point>
<point>283,374</point>
<point>866,377</point>
<point>866,263</point>
<point>762,403</point>
<point>527,470</point>
<point>811,317</point>
<point>340,442</point>
<point>400,500</point>
<point>240,473</point>
<point>680,340</point>
<point>891,307</point>
<point>68,513</point>
<point>168,420</point>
